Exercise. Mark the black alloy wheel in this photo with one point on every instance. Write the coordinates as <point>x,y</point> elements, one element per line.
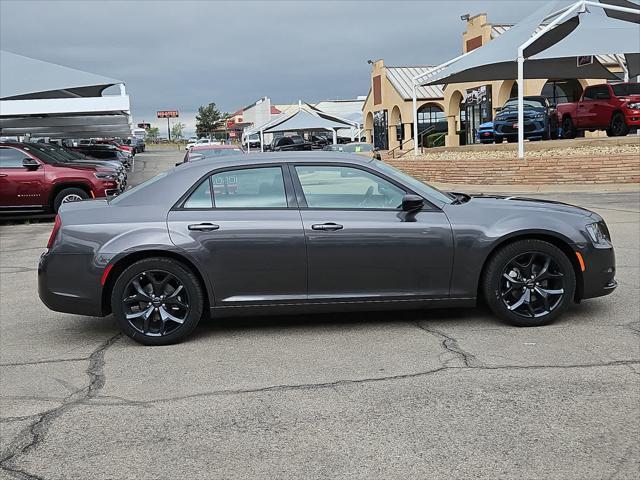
<point>529,283</point>
<point>618,126</point>
<point>157,301</point>
<point>532,285</point>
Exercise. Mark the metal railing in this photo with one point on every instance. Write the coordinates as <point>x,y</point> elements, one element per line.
<point>421,135</point>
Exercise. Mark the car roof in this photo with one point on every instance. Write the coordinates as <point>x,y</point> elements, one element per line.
<point>279,157</point>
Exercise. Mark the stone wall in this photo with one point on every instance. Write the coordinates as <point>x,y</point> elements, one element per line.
<point>531,171</point>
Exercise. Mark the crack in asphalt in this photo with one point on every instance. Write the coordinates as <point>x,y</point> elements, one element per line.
<point>34,433</point>
<point>450,344</point>
<point>122,401</point>
<point>42,362</point>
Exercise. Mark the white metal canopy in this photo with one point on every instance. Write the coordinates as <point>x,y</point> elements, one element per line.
<point>47,100</point>
<point>550,51</point>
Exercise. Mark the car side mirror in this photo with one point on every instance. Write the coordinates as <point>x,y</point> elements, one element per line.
<point>412,203</point>
<point>30,164</point>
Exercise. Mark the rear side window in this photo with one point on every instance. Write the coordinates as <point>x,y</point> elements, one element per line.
<point>261,187</point>
<point>601,92</point>
<point>11,158</point>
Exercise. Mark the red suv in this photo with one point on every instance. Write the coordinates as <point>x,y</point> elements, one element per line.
<point>30,180</point>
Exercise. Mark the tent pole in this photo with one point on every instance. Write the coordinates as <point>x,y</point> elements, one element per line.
<point>520,104</point>
<point>415,121</point>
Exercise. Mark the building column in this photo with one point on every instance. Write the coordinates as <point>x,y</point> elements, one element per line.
<point>452,139</point>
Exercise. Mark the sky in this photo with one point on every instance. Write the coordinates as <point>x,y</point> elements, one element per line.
<point>183,54</point>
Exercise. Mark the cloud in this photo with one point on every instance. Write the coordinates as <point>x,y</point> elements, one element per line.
<point>180,55</point>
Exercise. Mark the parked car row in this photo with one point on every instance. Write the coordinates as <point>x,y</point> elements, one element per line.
<point>40,177</point>
<point>614,108</point>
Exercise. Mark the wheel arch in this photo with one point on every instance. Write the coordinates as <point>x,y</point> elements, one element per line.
<point>57,188</point>
<point>131,257</point>
<point>553,238</point>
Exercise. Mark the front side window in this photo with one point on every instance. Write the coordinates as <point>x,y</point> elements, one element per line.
<point>330,186</point>
<point>11,158</point>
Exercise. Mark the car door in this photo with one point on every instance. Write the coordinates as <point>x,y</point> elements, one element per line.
<point>243,225</point>
<point>603,107</point>
<point>360,245</point>
<point>20,186</point>
<point>587,108</point>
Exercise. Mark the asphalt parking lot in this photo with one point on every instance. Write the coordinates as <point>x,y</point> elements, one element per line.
<point>421,394</point>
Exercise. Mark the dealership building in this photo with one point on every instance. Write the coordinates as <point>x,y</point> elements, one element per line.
<point>455,110</point>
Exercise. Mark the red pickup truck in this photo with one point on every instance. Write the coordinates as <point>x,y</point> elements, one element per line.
<point>611,107</point>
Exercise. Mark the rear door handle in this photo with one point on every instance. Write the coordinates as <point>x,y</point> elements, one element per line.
<point>203,227</point>
<point>329,227</point>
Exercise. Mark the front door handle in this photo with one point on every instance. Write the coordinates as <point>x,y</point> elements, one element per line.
<point>3,174</point>
<point>203,227</point>
<point>329,227</point>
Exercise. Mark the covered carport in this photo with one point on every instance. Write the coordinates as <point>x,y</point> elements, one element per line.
<point>549,44</point>
<point>303,120</point>
<point>42,99</point>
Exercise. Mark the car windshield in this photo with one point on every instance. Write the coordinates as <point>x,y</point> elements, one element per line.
<point>528,102</point>
<point>217,152</point>
<point>415,184</point>
<point>625,89</point>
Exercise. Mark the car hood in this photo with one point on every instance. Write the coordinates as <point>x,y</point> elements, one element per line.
<point>510,112</point>
<point>517,203</point>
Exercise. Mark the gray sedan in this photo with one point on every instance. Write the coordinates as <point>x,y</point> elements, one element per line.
<point>314,232</point>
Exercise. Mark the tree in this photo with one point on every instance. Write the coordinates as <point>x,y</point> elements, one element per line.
<point>207,119</point>
<point>176,131</point>
<point>152,134</point>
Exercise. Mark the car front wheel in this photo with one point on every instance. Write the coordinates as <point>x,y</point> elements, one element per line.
<point>529,283</point>
<point>157,301</point>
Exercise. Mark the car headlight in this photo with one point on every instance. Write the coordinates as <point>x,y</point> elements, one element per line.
<point>634,105</point>
<point>599,234</point>
<point>538,117</point>
<point>104,176</point>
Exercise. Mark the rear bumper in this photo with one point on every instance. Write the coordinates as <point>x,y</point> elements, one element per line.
<point>70,284</point>
<point>600,271</point>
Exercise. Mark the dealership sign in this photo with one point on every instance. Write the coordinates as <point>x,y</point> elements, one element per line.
<point>585,60</point>
<point>168,114</point>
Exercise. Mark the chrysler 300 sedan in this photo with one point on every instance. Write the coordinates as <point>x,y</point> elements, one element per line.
<point>312,232</point>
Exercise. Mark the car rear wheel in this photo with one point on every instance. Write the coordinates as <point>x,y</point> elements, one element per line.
<point>529,283</point>
<point>618,127</point>
<point>67,195</point>
<point>157,301</point>
<point>568,129</point>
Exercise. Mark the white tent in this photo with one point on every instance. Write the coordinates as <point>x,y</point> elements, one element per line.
<point>48,100</point>
<point>550,51</point>
<point>303,119</point>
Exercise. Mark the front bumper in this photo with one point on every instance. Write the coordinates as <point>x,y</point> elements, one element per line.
<point>632,118</point>
<point>598,278</point>
<point>70,283</point>
<point>532,129</point>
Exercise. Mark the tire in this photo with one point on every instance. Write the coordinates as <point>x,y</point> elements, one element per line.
<point>568,128</point>
<point>546,135</point>
<point>156,331</point>
<point>618,127</point>
<point>71,194</point>
<point>503,295</point>
<point>498,139</point>
<point>512,139</point>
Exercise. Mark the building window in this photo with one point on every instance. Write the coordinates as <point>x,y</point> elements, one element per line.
<point>431,118</point>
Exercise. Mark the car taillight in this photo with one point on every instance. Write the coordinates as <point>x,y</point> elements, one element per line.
<point>54,233</point>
